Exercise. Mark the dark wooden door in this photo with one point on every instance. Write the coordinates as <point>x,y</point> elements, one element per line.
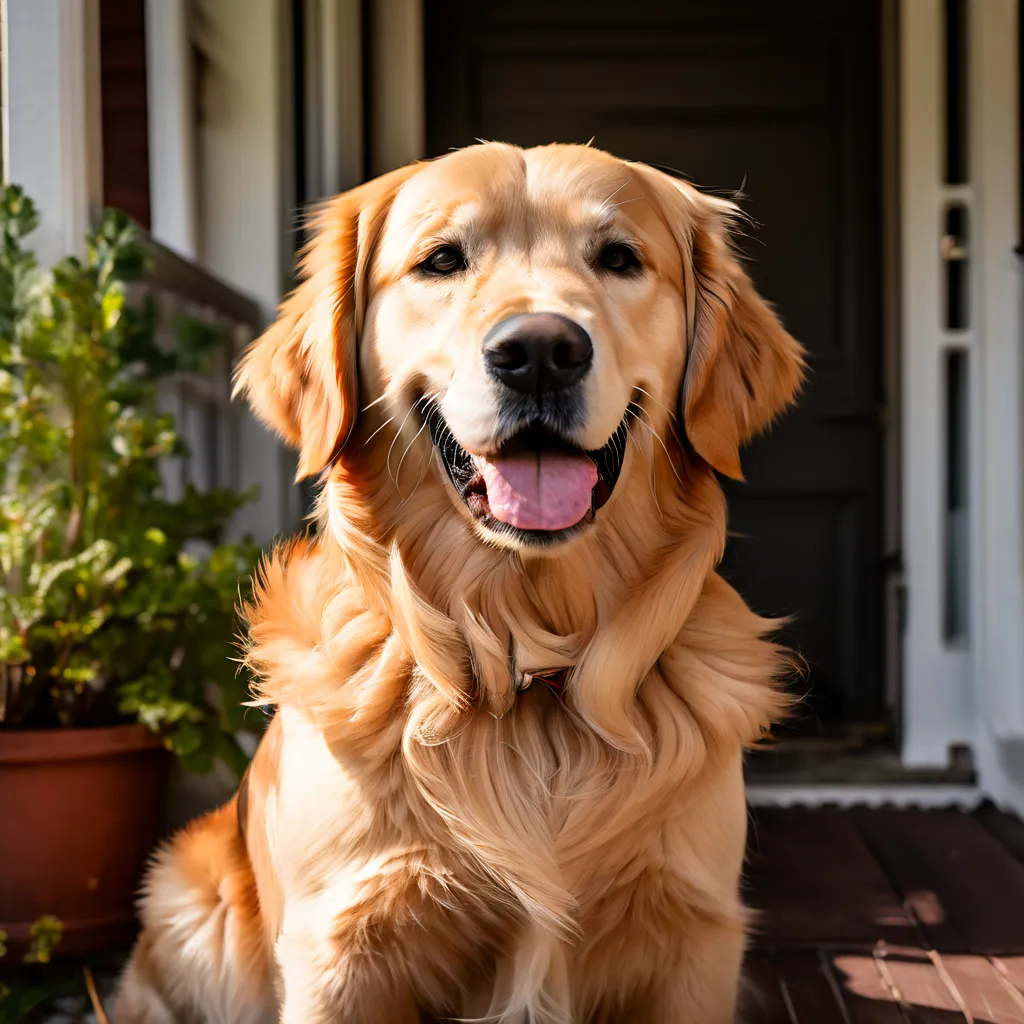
<point>779,99</point>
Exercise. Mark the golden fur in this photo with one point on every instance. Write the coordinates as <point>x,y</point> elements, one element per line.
<point>419,842</point>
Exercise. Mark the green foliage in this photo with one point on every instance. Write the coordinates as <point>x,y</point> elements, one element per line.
<point>43,938</point>
<point>28,991</point>
<point>114,601</point>
<point>28,995</point>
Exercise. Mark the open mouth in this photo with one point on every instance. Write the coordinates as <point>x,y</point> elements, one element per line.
<point>536,486</point>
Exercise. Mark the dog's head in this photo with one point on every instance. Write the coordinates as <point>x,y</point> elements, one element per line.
<point>512,317</point>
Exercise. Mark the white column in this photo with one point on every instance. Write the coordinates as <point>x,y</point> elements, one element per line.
<point>937,695</point>
<point>51,115</point>
<point>334,96</point>
<point>999,538</point>
<point>398,113</point>
<point>245,206</point>
<point>172,113</point>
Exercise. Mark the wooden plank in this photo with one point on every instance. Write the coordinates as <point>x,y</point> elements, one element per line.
<point>964,887</point>
<point>866,997</point>
<point>918,987</point>
<point>986,996</point>
<point>802,985</point>
<point>814,881</point>
<point>808,986</point>
<point>1008,829</point>
<point>1012,970</point>
<point>761,1001</point>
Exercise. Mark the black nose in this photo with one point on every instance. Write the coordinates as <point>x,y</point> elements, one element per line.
<point>537,352</point>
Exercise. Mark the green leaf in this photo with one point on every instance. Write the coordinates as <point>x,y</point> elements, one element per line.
<point>44,936</point>
<point>186,739</point>
<point>112,304</point>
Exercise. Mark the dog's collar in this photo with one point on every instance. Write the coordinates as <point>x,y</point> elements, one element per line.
<point>554,678</point>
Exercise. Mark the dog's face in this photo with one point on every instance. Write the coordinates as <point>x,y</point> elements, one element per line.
<point>527,311</point>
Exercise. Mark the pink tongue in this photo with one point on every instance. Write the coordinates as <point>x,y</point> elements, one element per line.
<point>548,491</point>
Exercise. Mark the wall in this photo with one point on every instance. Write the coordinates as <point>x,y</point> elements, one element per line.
<point>51,133</point>
<point>244,208</point>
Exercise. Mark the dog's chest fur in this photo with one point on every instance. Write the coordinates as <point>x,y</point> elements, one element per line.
<point>537,838</point>
<point>525,846</point>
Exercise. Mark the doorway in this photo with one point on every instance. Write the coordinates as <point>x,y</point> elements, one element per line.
<point>779,102</point>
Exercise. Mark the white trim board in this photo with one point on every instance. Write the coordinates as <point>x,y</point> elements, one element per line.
<point>998,625</point>
<point>937,697</point>
<point>964,797</point>
<point>335,160</point>
<point>52,132</point>
<point>397,89</point>
<point>172,111</point>
<point>244,163</point>
<point>972,691</point>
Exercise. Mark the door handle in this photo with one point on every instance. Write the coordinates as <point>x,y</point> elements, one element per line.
<point>953,248</point>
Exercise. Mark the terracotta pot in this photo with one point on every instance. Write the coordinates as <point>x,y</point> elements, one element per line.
<point>80,813</point>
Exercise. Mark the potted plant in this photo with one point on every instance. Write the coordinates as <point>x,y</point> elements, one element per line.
<point>117,605</point>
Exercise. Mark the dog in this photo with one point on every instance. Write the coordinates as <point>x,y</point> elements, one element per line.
<point>503,779</point>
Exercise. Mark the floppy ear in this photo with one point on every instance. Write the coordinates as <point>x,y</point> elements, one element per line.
<point>301,376</point>
<point>742,367</point>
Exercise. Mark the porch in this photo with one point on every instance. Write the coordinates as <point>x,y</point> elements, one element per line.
<point>866,916</point>
<point>214,121</point>
<point>885,916</point>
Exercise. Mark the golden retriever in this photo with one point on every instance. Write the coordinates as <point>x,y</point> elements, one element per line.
<point>517,372</point>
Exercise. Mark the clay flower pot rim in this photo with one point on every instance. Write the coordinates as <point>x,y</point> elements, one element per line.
<point>28,746</point>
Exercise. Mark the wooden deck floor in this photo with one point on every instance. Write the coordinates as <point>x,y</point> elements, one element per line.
<point>887,917</point>
<point>866,917</point>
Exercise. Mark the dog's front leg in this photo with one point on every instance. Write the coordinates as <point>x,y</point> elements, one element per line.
<point>701,985</point>
<point>388,947</point>
<point>350,978</point>
<point>668,965</point>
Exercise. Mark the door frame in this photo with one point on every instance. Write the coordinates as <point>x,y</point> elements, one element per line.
<point>963,690</point>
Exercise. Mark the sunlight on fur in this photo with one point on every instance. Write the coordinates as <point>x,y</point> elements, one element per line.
<point>415,838</point>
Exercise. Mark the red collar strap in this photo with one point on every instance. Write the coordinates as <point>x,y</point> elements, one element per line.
<point>554,678</point>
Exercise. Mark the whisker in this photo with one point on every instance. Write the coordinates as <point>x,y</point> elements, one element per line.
<point>428,401</point>
<point>658,438</point>
<point>620,443</point>
<point>376,401</point>
<point>398,472</point>
<point>390,419</point>
<point>673,415</point>
<point>644,391</point>
<point>398,434</point>
<point>650,475</point>
<point>423,475</point>
<point>435,400</point>
<point>619,189</point>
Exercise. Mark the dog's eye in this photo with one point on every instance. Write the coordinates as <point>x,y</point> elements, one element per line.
<point>619,258</point>
<point>444,261</point>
